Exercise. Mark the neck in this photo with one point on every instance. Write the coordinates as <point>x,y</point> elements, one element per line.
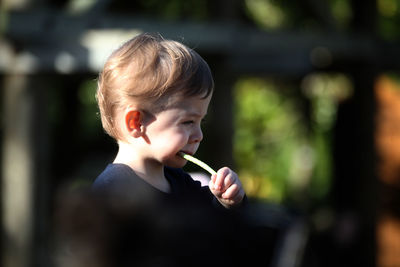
<point>147,169</point>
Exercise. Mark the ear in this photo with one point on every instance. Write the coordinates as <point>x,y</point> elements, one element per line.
<point>133,123</point>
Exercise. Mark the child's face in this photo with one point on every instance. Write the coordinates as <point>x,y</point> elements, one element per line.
<point>177,129</point>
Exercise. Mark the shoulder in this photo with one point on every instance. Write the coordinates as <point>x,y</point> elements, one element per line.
<point>113,173</point>
<point>116,178</point>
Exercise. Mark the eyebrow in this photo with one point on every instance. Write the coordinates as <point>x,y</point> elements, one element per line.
<point>195,114</point>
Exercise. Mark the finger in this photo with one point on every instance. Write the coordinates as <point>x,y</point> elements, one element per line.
<point>213,177</point>
<point>213,191</point>
<point>228,181</point>
<point>230,202</point>
<point>219,181</point>
<point>212,181</point>
<point>231,192</point>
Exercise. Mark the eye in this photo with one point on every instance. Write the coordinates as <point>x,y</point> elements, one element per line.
<point>188,122</point>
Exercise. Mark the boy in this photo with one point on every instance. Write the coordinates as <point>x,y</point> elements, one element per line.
<point>152,95</point>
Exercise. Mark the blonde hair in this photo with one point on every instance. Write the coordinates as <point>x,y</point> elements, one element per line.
<point>148,70</point>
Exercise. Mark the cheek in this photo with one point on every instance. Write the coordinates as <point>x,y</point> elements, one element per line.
<point>169,148</point>
<point>173,140</point>
<point>178,140</point>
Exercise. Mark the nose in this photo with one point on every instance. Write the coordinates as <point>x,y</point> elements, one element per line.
<point>196,136</point>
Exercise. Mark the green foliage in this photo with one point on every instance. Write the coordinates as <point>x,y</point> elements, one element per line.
<point>267,14</point>
<point>388,8</point>
<point>325,90</point>
<point>176,9</point>
<point>268,130</point>
<point>395,78</point>
<point>342,12</point>
<point>286,14</point>
<point>278,158</point>
<point>283,14</point>
<point>388,18</point>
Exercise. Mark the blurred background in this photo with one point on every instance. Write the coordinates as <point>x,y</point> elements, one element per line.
<point>306,110</point>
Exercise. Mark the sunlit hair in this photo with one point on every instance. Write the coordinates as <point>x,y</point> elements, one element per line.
<point>149,70</point>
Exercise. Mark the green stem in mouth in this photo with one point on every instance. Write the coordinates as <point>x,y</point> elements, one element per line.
<point>197,162</point>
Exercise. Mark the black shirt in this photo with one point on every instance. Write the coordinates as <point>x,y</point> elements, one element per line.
<point>121,182</point>
<point>128,222</point>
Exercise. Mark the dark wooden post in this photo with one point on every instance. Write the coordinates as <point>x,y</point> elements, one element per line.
<point>355,189</point>
<point>355,181</point>
<point>23,176</point>
<point>218,132</point>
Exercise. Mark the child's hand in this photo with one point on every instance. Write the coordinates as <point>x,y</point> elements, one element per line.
<point>226,187</point>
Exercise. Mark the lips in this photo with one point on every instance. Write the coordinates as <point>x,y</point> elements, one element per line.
<point>186,152</point>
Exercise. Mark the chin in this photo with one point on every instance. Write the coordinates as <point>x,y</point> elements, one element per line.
<point>176,162</point>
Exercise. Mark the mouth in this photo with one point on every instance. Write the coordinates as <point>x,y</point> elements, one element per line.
<point>183,153</point>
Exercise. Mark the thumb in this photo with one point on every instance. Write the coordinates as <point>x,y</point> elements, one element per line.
<point>211,182</point>
<point>211,186</point>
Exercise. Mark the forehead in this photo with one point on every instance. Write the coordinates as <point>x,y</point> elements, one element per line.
<point>194,104</point>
